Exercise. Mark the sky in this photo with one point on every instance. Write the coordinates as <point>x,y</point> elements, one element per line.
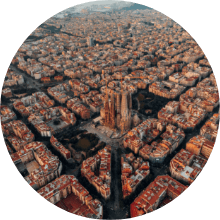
<point>107,1</point>
<point>100,2</point>
<point>79,7</point>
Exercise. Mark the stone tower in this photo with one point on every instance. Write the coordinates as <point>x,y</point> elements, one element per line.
<point>129,101</point>
<point>125,112</point>
<point>124,106</point>
<point>106,107</point>
<point>112,111</point>
<point>118,109</point>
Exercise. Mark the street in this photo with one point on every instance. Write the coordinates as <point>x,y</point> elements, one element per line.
<point>29,81</point>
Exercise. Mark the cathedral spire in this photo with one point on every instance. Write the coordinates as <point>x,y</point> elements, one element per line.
<point>106,106</point>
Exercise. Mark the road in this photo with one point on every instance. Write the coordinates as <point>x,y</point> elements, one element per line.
<point>115,180</point>
<point>30,82</point>
<point>102,136</point>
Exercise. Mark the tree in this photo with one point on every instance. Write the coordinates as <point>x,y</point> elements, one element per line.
<point>91,137</point>
<point>102,144</point>
<point>140,97</point>
<point>94,142</point>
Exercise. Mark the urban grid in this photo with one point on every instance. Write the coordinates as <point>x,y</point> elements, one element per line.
<point>110,111</point>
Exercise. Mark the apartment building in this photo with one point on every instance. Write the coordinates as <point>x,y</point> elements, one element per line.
<point>60,148</point>
<point>41,164</point>
<point>186,116</point>
<point>199,145</point>
<point>52,120</point>
<point>32,104</point>
<point>7,114</point>
<point>7,93</point>
<point>150,198</point>
<point>77,107</point>
<point>62,188</point>
<point>149,130</point>
<point>210,129</point>
<point>13,79</point>
<point>158,150</point>
<point>17,133</point>
<point>166,89</point>
<point>133,171</point>
<point>101,162</point>
<point>186,166</point>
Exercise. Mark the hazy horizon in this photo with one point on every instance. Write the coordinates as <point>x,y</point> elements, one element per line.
<point>102,2</point>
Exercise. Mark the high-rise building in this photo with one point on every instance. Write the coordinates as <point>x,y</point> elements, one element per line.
<point>90,41</point>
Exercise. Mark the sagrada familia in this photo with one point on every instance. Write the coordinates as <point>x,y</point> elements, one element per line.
<point>116,112</point>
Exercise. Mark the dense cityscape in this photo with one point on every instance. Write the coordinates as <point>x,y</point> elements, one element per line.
<point>110,112</point>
